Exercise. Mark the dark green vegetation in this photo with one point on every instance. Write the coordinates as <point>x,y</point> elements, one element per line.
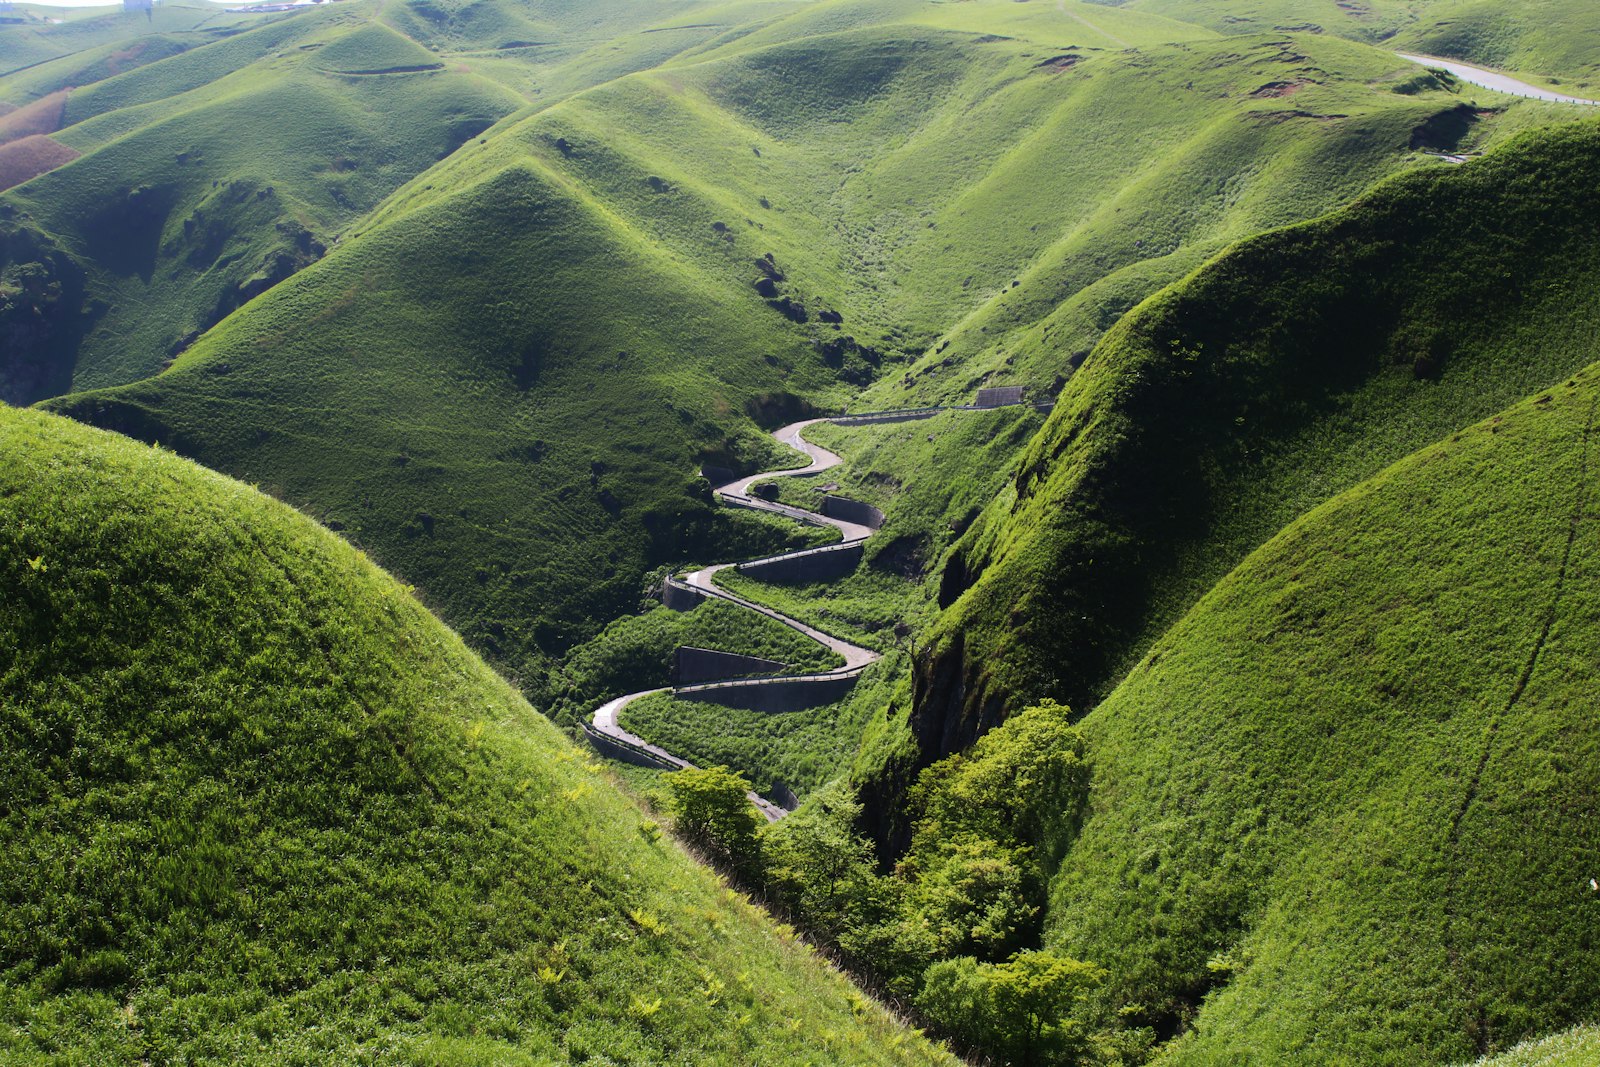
<point>261,807</point>
<point>949,928</point>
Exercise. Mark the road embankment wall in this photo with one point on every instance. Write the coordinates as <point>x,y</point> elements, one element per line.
<point>816,565</point>
<point>775,695</point>
<point>692,665</point>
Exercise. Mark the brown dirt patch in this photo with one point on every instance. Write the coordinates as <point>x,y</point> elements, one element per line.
<point>30,157</point>
<point>1057,64</point>
<point>1280,89</point>
<point>44,115</point>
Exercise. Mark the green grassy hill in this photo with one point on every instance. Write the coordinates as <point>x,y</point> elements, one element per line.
<point>49,34</point>
<point>1347,800</point>
<point>503,377</point>
<point>261,807</point>
<point>1548,41</point>
<point>210,176</point>
<point>1283,372</point>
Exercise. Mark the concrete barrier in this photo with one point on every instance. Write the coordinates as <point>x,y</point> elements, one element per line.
<point>680,597</point>
<point>808,565</point>
<point>840,507</point>
<point>692,665</point>
<point>774,695</point>
<point>610,746</point>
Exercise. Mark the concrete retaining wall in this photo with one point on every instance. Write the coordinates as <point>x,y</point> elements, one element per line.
<point>680,597</point>
<point>774,695</point>
<point>616,750</point>
<point>840,507</point>
<point>875,419</point>
<point>812,565</point>
<point>691,665</point>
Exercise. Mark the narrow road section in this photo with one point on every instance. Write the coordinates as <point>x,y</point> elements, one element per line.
<point>737,494</point>
<point>1492,79</point>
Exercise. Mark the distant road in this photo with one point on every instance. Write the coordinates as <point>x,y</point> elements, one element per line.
<point>1500,83</point>
<point>737,493</point>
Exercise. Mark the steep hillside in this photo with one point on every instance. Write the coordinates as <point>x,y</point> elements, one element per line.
<point>503,377</point>
<point>1349,799</point>
<point>512,425</point>
<point>206,178</point>
<point>1283,372</point>
<point>262,808</point>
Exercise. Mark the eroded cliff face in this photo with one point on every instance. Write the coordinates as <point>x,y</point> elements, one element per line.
<point>41,315</point>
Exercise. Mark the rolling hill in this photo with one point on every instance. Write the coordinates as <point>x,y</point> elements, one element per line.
<point>787,211</point>
<point>1324,633</point>
<point>1284,371</point>
<point>263,808</point>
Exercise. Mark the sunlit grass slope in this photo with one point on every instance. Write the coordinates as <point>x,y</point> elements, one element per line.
<point>261,807</point>
<point>513,425</point>
<point>1577,1047</point>
<point>1555,41</point>
<point>506,373</point>
<point>1283,372</point>
<point>50,32</point>
<point>210,176</point>
<point>1349,800</point>
<point>983,208</point>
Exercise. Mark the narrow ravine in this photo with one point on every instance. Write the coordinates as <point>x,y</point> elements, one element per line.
<point>604,725</point>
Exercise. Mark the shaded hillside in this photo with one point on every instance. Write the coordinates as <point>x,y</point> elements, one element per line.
<point>1349,800</point>
<point>262,808</point>
<point>1284,371</point>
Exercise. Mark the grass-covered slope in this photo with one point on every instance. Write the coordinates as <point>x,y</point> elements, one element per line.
<point>1350,798</point>
<point>504,376</point>
<point>1281,373</point>
<point>1577,1047</point>
<point>512,424</point>
<point>39,35</point>
<point>1552,41</point>
<point>261,807</point>
<point>210,176</point>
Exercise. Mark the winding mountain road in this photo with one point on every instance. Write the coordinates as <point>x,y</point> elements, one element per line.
<point>1493,79</point>
<point>737,493</point>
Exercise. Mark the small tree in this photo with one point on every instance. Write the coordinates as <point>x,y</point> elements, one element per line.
<point>712,808</point>
<point>817,864</point>
<point>1022,1011</point>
